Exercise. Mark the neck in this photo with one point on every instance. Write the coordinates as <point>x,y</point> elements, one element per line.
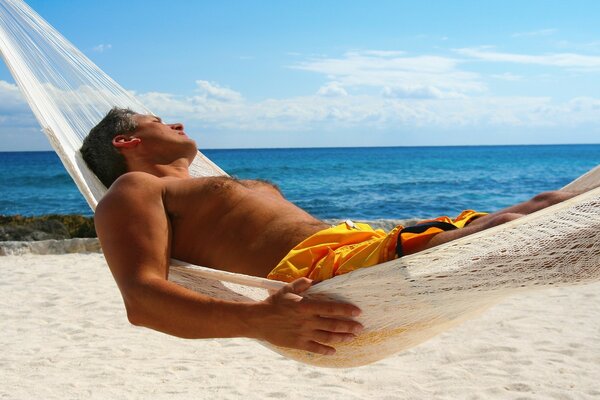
<point>176,169</point>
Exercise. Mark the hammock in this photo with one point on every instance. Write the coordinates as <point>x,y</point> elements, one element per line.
<point>405,302</point>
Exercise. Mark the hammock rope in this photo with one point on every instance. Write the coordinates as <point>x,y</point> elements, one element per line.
<point>405,302</point>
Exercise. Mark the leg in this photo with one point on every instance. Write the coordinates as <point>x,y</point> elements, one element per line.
<point>490,221</point>
<point>537,203</point>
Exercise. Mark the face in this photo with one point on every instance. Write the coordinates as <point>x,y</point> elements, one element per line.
<point>153,127</point>
<point>156,138</point>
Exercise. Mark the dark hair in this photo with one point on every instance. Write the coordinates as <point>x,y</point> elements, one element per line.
<point>98,151</point>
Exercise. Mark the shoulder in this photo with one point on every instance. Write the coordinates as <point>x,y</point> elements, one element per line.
<point>136,180</point>
<point>132,184</point>
<point>131,190</point>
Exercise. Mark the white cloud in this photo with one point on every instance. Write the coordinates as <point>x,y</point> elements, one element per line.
<point>18,128</point>
<point>418,92</point>
<point>213,91</point>
<point>382,53</point>
<point>593,46</point>
<point>577,111</point>
<point>398,112</point>
<point>14,110</point>
<point>328,113</point>
<point>11,99</point>
<point>370,89</point>
<point>102,48</point>
<point>332,89</point>
<point>166,103</point>
<point>562,60</point>
<point>394,70</point>
<point>539,32</point>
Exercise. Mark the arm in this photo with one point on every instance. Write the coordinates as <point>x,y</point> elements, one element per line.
<point>134,232</point>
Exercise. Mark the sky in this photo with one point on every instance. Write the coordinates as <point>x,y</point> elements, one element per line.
<point>256,74</point>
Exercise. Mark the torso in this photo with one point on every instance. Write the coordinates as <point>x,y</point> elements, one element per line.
<point>234,225</point>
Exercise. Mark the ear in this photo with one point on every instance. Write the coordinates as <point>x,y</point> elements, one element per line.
<point>124,142</point>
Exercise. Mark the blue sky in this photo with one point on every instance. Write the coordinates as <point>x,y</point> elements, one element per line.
<point>339,73</point>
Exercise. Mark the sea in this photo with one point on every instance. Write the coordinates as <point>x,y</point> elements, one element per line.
<point>367,183</point>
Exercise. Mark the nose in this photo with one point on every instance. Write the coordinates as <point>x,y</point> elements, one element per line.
<point>177,126</point>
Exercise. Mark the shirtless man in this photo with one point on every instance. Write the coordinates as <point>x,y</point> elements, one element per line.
<point>154,211</point>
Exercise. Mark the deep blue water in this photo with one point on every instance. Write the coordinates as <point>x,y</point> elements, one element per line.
<point>359,183</point>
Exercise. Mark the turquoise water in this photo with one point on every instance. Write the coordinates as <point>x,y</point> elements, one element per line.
<point>358,183</point>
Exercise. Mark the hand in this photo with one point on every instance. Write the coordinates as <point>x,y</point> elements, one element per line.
<point>287,319</point>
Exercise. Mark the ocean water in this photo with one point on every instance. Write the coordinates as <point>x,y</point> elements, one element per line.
<point>357,183</point>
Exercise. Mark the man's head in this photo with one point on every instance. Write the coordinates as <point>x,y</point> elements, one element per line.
<point>98,151</point>
<point>125,141</point>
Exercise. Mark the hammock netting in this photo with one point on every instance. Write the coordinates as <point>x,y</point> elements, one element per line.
<point>405,302</point>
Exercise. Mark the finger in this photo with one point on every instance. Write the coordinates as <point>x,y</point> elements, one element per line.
<point>319,348</point>
<point>298,286</point>
<point>332,338</point>
<point>330,308</point>
<point>338,325</point>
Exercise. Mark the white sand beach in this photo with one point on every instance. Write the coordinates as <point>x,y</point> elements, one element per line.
<point>65,336</point>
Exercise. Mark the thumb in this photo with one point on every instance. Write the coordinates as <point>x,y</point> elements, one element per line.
<point>298,286</point>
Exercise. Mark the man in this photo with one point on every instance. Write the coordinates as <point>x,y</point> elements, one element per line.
<point>154,211</point>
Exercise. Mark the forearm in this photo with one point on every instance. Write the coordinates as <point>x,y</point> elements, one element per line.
<point>167,307</point>
<point>283,319</point>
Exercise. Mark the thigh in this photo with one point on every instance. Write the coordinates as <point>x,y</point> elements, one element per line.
<point>537,203</point>
<point>486,219</point>
<point>480,224</point>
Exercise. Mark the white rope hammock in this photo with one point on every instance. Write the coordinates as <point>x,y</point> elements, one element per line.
<point>405,302</point>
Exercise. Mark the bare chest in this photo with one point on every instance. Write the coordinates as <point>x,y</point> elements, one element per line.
<point>240,226</point>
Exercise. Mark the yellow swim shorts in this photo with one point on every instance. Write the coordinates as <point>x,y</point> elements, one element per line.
<point>350,246</point>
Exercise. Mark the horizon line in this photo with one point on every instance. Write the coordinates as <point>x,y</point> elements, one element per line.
<point>354,147</point>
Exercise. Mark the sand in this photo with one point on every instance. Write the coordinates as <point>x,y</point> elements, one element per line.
<point>65,336</point>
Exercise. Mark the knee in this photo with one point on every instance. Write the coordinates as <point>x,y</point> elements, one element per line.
<point>550,198</point>
<point>504,218</point>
